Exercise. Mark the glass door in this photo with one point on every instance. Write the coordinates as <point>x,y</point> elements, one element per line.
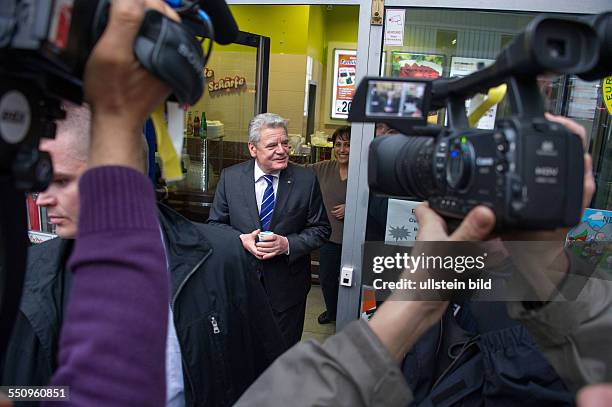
<point>448,40</point>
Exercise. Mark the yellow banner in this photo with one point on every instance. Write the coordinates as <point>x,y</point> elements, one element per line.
<point>171,162</point>
<point>606,89</point>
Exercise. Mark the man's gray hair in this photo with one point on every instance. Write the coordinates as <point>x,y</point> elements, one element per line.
<point>265,121</point>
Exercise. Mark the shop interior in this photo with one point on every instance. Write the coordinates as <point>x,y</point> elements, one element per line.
<point>283,63</point>
<point>299,61</point>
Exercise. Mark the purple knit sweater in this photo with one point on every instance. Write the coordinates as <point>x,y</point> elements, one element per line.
<point>112,344</point>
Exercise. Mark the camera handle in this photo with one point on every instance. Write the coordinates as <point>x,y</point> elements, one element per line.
<point>457,116</point>
<point>525,97</point>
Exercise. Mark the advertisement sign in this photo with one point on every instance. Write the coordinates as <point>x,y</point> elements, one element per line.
<point>461,66</point>
<point>411,65</point>
<point>345,63</point>
<point>394,27</point>
<point>591,239</point>
<point>583,98</point>
<point>595,225</point>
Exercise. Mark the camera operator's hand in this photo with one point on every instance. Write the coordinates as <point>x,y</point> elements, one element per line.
<point>120,91</point>
<point>399,324</point>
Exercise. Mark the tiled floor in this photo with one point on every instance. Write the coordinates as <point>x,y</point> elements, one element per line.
<point>314,306</point>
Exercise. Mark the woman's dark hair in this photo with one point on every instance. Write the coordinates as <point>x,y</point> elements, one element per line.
<point>343,132</point>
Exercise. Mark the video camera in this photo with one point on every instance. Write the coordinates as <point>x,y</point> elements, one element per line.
<point>528,170</point>
<point>44,46</point>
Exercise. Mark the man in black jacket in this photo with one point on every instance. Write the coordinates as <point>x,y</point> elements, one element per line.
<point>270,194</point>
<point>223,335</point>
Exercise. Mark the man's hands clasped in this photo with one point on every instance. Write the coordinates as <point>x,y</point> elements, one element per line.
<point>267,247</point>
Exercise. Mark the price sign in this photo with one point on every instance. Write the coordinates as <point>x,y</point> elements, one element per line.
<point>342,107</point>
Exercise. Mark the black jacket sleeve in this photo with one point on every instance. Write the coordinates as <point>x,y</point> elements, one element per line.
<point>317,229</point>
<point>27,362</point>
<point>219,212</point>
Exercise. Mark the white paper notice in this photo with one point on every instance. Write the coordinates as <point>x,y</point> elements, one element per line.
<point>464,66</point>
<point>176,123</point>
<point>394,27</point>
<point>402,226</point>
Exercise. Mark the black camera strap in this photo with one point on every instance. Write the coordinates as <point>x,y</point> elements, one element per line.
<point>13,253</point>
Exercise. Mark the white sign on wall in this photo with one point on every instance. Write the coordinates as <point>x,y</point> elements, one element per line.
<point>394,27</point>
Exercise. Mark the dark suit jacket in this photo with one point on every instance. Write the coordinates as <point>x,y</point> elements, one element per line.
<point>299,215</point>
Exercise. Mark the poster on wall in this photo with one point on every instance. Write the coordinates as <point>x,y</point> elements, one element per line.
<point>461,66</point>
<point>394,27</point>
<point>411,65</point>
<point>590,239</point>
<point>582,99</point>
<point>345,64</point>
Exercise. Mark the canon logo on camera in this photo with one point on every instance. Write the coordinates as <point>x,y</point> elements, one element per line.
<point>15,117</point>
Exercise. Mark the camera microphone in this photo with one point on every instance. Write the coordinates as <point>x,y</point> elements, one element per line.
<point>226,29</point>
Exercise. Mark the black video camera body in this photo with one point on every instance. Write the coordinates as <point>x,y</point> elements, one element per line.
<point>44,46</point>
<point>529,174</point>
<point>528,170</point>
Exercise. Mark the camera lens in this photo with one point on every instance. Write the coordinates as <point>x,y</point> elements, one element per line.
<point>402,166</point>
<point>459,164</point>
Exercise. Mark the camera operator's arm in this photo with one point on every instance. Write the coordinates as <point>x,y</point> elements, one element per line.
<point>574,334</point>
<point>359,366</point>
<point>112,344</point>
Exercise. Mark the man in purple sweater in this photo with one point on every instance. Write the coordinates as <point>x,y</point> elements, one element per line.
<point>113,340</point>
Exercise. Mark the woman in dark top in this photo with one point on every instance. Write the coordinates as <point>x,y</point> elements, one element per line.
<point>332,175</point>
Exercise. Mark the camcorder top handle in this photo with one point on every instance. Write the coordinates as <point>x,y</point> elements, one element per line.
<point>548,44</point>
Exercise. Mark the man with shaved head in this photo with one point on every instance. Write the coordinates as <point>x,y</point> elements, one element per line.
<point>69,150</point>
<point>30,358</point>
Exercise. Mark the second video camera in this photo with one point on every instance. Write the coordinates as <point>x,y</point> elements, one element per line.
<point>528,170</point>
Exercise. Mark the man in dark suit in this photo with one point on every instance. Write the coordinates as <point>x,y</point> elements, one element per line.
<point>272,195</point>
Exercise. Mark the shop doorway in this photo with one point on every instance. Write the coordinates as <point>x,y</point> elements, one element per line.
<point>440,36</point>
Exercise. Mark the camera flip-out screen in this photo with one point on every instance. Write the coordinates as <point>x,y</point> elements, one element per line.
<point>396,99</point>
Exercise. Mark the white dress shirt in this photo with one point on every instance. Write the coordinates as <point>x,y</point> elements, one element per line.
<point>261,184</point>
<point>260,188</point>
<point>175,386</point>
<point>175,391</point>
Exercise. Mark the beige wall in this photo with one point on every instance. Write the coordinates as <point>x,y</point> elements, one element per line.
<point>286,88</point>
<point>234,108</point>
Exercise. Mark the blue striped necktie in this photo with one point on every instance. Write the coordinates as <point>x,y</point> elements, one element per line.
<point>267,204</point>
